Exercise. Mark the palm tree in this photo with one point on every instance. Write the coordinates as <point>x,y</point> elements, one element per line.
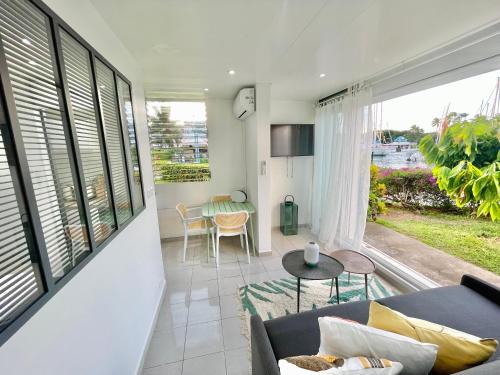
<point>435,122</point>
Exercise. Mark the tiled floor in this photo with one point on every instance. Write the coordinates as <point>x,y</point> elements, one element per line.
<point>199,327</point>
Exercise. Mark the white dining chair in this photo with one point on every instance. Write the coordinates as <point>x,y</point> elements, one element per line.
<point>231,224</point>
<point>195,225</point>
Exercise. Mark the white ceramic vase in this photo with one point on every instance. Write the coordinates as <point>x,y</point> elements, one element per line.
<point>311,254</point>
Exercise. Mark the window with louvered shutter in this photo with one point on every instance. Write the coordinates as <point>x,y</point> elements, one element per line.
<point>20,280</point>
<point>70,177</point>
<point>178,138</point>
<point>78,73</point>
<point>128,122</point>
<point>29,53</point>
<point>113,136</point>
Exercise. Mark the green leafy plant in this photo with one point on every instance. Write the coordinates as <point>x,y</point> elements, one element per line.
<point>179,172</point>
<point>414,189</point>
<point>467,163</point>
<point>376,205</point>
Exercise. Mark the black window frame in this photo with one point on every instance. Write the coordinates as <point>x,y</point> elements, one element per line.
<point>9,112</point>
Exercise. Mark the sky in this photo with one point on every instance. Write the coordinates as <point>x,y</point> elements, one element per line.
<point>181,111</point>
<point>420,108</point>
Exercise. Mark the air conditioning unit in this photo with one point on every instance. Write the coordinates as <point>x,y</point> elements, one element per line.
<point>244,103</point>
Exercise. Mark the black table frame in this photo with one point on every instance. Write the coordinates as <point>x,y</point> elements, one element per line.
<point>336,279</point>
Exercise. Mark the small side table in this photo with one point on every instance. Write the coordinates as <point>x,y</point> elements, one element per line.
<point>327,268</point>
<point>355,262</point>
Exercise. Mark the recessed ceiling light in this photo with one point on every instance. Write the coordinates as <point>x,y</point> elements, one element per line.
<point>205,89</point>
<point>26,41</point>
<point>322,75</point>
<point>231,72</point>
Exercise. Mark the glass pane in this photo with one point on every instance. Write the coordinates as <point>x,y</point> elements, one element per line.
<point>77,66</point>
<point>30,59</point>
<point>178,139</point>
<point>113,135</point>
<point>128,121</point>
<point>20,282</point>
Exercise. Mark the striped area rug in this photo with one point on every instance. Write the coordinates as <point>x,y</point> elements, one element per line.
<point>271,299</point>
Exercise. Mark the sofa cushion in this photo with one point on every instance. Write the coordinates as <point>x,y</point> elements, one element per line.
<point>457,350</point>
<point>457,307</point>
<point>345,339</point>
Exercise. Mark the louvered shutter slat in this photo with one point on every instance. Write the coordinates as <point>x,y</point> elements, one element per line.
<point>30,59</point>
<point>78,75</point>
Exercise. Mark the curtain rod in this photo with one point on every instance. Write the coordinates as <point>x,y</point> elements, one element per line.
<point>338,93</point>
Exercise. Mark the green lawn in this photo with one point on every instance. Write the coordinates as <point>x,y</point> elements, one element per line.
<point>474,240</point>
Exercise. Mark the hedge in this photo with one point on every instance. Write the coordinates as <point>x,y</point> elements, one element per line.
<point>169,172</point>
<point>414,188</point>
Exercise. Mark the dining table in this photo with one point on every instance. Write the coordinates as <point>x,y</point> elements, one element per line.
<point>208,210</point>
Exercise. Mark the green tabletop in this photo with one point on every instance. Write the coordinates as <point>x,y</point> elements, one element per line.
<point>211,208</point>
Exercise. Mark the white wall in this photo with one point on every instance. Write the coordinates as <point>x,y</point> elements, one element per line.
<point>258,165</point>
<point>297,179</point>
<point>99,322</point>
<point>227,167</point>
<point>264,172</point>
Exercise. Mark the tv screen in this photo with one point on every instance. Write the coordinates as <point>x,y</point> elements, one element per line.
<point>292,140</point>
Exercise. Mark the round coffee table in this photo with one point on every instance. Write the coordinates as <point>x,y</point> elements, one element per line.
<point>355,262</point>
<point>327,268</point>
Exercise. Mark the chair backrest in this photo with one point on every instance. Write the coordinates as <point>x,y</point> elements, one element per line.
<point>231,220</point>
<point>76,233</point>
<point>182,210</point>
<point>221,198</point>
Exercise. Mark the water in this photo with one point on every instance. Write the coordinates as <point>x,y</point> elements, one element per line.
<point>398,160</point>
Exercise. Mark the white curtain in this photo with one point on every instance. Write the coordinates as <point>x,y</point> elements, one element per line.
<point>341,183</point>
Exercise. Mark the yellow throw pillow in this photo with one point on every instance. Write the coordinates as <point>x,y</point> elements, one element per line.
<point>457,350</point>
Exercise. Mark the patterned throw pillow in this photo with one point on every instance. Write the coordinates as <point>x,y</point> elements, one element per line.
<point>331,365</point>
<point>310,362</point>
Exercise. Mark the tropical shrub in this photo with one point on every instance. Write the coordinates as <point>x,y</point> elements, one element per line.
<point>414,189</point>
<point>467,163</point>
<point>171,172</point>
<point>376,205</point>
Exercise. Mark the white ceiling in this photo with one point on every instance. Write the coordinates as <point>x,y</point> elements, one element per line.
<point>184,46</point>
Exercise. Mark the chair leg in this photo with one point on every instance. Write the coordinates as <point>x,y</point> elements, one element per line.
<point>213,244</point>
<point>208,245</point>
<point>217,252</point>
<point>241,241</point>
<point>185,246</point>
<point>248,249</point>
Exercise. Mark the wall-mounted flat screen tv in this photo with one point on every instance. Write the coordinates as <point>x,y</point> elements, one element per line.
<point>292,140</point>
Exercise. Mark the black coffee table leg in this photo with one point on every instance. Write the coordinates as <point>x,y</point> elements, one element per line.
<point>366,285</point>
<point>337,290</point>
<point>298,294</point>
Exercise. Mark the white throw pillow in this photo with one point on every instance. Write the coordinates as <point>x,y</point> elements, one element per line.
<point>346,339</point>
<point>350,367</point>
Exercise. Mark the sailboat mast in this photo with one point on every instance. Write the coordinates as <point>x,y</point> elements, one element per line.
<point>495,106</point>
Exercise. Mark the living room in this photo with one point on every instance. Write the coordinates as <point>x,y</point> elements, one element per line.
<point>141,139</point>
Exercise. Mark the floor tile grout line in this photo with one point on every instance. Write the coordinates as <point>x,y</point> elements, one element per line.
<point>187,321</point>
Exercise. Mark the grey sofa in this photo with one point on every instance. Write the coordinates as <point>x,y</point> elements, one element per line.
<point>472,307</point>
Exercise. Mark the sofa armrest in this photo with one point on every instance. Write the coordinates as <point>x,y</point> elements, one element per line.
<point>481,287</point>
<point>488,368</point>
<point>263,359</point>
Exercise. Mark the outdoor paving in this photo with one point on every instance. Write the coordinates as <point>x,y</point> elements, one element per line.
<point>438,266</point>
